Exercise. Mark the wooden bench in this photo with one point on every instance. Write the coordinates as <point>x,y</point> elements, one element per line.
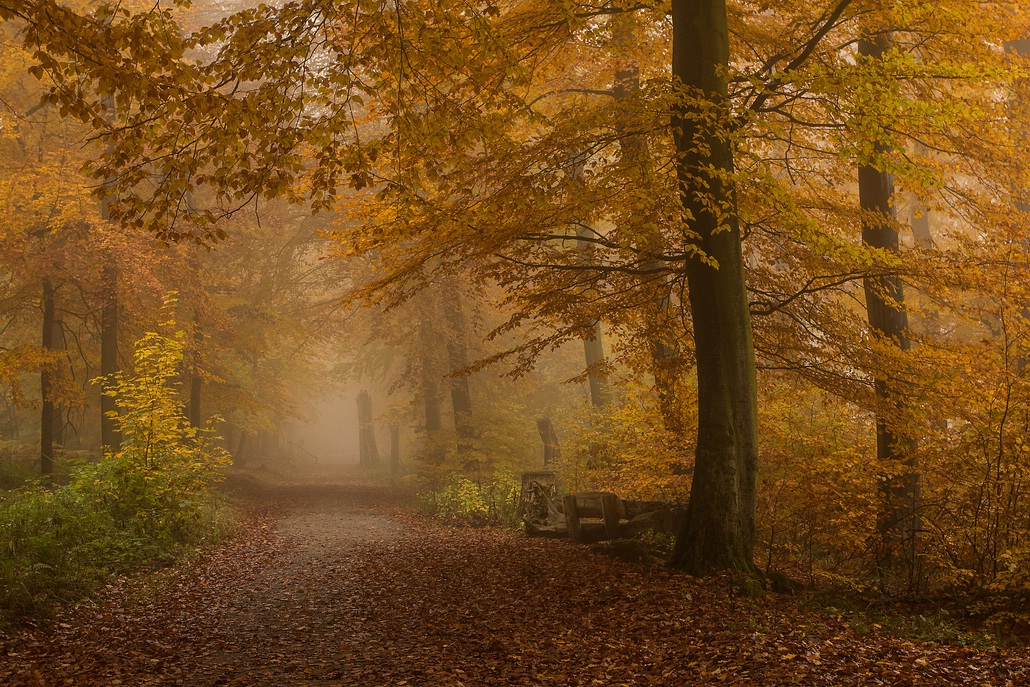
<point>593,516</point>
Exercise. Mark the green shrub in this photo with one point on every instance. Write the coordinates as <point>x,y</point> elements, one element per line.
<point>145,503</point>
<point>491,502</point>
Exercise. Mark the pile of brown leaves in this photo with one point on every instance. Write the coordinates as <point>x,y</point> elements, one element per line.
<point>331,586</point>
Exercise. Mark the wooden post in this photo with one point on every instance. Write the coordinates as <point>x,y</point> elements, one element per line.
<point>610,512</point>
<point>572,518</point>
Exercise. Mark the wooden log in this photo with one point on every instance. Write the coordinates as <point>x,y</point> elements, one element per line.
<point>572,518</point>
<point>592,532</point>
<point>548,531</point>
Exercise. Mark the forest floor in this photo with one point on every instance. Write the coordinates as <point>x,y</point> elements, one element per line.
<point>340,585</point>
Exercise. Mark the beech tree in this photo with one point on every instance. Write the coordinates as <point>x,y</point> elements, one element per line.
<point>720,525</point>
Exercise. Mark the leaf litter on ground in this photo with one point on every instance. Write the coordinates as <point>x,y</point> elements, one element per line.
<point>340,585</point>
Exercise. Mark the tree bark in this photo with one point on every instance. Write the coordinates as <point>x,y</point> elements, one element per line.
<point>552,449</point>
<point>58,343</point>
<point>109,436</point>
<point>434,452</point>
<point>885,304</point>
<point>368,450</point>
<point>457,355</point>
<point>593,343</point>
<point>593,351</point>
<point>719,529</point>
<point>46,378</point>
<point>110,439</point>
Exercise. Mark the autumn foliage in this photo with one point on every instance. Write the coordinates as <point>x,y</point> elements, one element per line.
<point>815,225</point>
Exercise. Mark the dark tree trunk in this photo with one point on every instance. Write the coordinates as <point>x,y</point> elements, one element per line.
<point>593,343</point>
<point>109,436</point>
<point>431,391</point>
<point>593,351</point>
<point>228,434</point>
<point>196,394</point>
<point>1022,197</point>
<point>885,300</point>
<point>46,379</point>
<point>434,450</point>
<point>368,450</point>
<point>552,449</point>
<point>457,355</point>
<point>58,343</point>
<point>240,456</point>
<point>719,529</point>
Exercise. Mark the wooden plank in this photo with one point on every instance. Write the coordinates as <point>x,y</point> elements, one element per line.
<point>610,511</point>
<point>588,504</point>
<point>572,518</point>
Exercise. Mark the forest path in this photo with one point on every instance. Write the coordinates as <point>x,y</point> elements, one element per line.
<point>338,585</point>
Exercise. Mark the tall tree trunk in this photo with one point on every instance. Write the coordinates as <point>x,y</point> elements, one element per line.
<point>457,355</point>
<point>228,437</point>
<point>593,343</point>
<point>109,436</point>
<point>395,451</point>
<point>240,456</point>
<point>719,529</point>
<point>665,358</point>
<point>110,439</point>
<point>1022,197</point>
<point>434,452</point>
<point>898,523</point>
<point>58,343</point>
<point>368,450</point>
<point>196,394</point>
<point>552,447</point>
<point>196,380</point>
<point>46,378</point>
<point>593,351</point>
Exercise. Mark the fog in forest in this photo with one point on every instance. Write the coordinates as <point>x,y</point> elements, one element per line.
<point>333,303</point>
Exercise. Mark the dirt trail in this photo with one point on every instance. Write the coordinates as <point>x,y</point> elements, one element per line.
<point>336,585</point>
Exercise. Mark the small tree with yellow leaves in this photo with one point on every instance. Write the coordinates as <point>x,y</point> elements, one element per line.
<point>164,464</point>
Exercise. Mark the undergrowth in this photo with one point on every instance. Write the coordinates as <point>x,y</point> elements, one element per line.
<point>492,501</point>
<point>145,504</point>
